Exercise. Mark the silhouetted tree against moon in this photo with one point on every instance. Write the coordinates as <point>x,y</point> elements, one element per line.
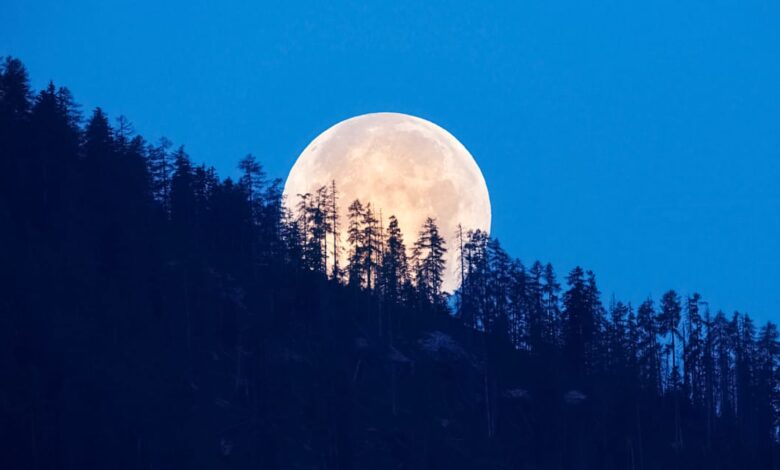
<point>371,246</point>
<point>356,240</point>
<point>154,315</point>
<point>428,260</point>
<point>395,268</point>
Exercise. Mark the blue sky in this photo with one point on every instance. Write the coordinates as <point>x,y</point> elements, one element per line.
<point>637,139</point>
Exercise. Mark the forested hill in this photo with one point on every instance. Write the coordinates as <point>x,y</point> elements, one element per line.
<point>153,316</point>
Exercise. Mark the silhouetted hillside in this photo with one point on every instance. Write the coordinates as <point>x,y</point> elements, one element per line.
<point>154,316</point>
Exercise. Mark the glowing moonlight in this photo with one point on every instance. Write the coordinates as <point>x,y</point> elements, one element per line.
<point>404,166</point>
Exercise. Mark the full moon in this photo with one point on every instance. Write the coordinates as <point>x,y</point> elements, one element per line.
<point>404,166</point>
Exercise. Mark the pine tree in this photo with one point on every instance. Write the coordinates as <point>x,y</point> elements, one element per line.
<point>313,229</point>
<point>271,226</point>
<point>499,289</point>
<point>552,310</point>
<point>356,240</point>
<point>334,228</point>
<point>722,349</point>
<point>632,346</point>
<point>429,264</point>
<point>473,290</point>
<point>52,156</point>
<point>648,354</point>
<point>372,241</point>
<point>98,141</point>
<point>183,210</point>
<point>291,237</point>
<point>535,305</point>
<point>160,163</point>
<point>395,270</point>
<point>581,311</point>
<point>693,351</point>
<point>123,132</point>
<point>668,322</point>
<point>253,180</point>
<point>15,106</point>
<point>745,375</point>
<point>100,169</point>
<point>518,313</point>
<point>616,336</point>
<point>710,383</point>
<point>15,92</point>
<point>320,220</point>
<point>204,183</point>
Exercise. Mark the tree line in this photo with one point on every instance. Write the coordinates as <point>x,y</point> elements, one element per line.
<point>117,247</point>
<point>719,367</point>
<point>377,257</point>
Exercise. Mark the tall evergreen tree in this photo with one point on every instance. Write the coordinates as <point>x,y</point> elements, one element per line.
<point>161,166</point>
<point>499,289</point>
<point>372,246</point>
<point>552,311</point>
<point>15,103</point>
<point>15,91</point>
<point>617,335</point>
<point>334,230</point>
<point>518,310</point>
<point>648,351</point>
<point>356,240</point>
<point>745,375</point>
<point>535,304</point>
<point>395,270</point>
<point>668,322</point>
<point>473,290</point>
<point>253,180</point>
<point>429,264</point>
<point>54,154</point>
<point>693,352</point>
<point>272,220</point>
<point>183,209</point>
<point>580,322</point>
<point>722,352</point>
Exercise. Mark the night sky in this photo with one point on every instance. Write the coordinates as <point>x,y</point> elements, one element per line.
<point>638,140</point>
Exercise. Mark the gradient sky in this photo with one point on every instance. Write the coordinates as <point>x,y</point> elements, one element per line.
<point>637,139</point>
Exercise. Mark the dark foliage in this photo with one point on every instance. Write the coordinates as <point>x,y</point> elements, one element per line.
<point>155,316</point>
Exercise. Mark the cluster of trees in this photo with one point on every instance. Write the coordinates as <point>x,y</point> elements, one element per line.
<point>718,375</point>
<point>712,366</point>
<point>377,257</point>
<point>154,314</point>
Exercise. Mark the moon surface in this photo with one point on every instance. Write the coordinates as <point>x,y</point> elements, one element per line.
<point>404,166</point>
